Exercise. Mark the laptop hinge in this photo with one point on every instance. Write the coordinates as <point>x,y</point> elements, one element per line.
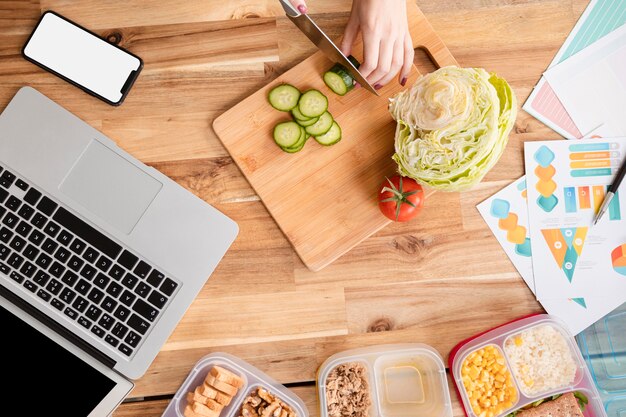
<point>56,327</point>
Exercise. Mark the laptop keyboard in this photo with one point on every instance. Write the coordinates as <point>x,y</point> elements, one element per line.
<point>92,280</point>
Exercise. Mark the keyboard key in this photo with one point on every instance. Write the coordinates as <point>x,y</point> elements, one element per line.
<point>121,313</point>
<point>31,252</point>
<point>43,261</point>
<point>36,237</point>
<point>62,255</point>
<point>23,229</point>
<point>145,310</point>
<point>106,321</point>
<point>41,278</point>
<point>75,263</point>
<point>17,243</point>
<point>51,229</point>
<point>103,263</point>
<point>114,289</point>
<point>44,295</point>
<point>143,289</point>
<point>101,280</point>
<point>28,269</point>
<point>132,339</point>
<point>26,212</point>
<point>127,298</point>
<point>70,313</point>
<point>21,184</point>
<point>67,295</point>
<point>80,304</point>
<point>119,330</point>
<point>111,340</point>
<point>4,252</point>
<point>96,295</point>
<point>15,261</point>
<point>93,313</point>
<point>47,206</point>
<point>54,286</point>
<point>83,286</point>
<point>49,246</point>
<point>30,285</point>
<point>139,324</point>
<point>10,220</point>
<point>117,272</point>
<point>109,304</point>
<point>69,278</point>
<point>17,277</point>
<point>125,349</point>
<point>90,255</point>
<point>5,234</point>
<point>56,269</point>
<point>57,304</point>
<point>6,179</point>
<point>127,260</point>
<point>3,195</point>
<point>78,246</point>
<point>13,203</point>
<point>84,322</point>
<point>32,196</point>
<point>87,233</point>
<point>142,269</point>
<point>88,272</point>
<point>38,220</point>
<point>129,281</point>
<point>65,237</point>
<point>97,331</point>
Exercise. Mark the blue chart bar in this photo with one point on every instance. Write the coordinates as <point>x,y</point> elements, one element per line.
<point>570,199</point>
<point>591,172</point>
<point>586,147</point>
<point>614,208</point>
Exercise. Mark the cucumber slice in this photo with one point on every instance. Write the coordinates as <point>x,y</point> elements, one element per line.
<point>331,137</point>
<point>287,134</point>
<point>339,80</point>
<point>307,122</point>
<point>312,103</point>
<point>298,145</point>
<point>295,112</point>
<point>284,97</point>
<point>321,126</point>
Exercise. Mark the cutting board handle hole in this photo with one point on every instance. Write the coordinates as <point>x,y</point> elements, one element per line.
<point>424,61</point>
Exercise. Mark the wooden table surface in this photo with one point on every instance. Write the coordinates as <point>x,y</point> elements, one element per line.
<point>436,280</point>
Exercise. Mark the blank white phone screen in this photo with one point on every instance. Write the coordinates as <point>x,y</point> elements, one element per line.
<point>81,57</point>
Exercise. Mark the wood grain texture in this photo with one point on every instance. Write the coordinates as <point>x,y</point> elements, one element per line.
<point>324,199</point>
<point>436,280</point>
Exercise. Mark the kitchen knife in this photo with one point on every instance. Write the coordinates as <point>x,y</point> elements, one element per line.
<point>324,43</point>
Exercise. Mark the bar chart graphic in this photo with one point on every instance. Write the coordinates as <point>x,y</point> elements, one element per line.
<point>582,198</point>
<point>593,159</point>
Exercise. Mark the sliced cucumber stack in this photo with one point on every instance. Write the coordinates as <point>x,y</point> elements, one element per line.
<point>331,137</point>
<point>322,125</point>
<point>312,103</point>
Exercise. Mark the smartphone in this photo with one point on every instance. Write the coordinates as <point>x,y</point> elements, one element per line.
<point>82,58</point>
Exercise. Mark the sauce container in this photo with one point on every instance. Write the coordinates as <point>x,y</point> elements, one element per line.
<point>603,345</point>
<point>252,377</point>
<point>403,380</point>
<point>530,359</point>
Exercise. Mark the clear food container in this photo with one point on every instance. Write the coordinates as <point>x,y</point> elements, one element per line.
<point>500,371</point>
<point>252,378</point>
<point>604,348</point>
<point>402,380</point>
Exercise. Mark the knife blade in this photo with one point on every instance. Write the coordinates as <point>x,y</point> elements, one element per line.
<point>324,43</point>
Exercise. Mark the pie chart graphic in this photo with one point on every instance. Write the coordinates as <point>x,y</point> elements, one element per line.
<point>618,258</point>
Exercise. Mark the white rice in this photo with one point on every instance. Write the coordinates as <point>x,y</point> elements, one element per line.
<point>541,360</point>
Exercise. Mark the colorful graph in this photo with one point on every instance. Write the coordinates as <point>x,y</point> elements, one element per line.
<point>618,258</point>
<point>545,184</point>
<point>566,245</point>
<point>593,159</point>
<point>508,221</point>
<point>581,198</point>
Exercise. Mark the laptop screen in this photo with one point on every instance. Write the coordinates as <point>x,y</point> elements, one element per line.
<point>54,378</point>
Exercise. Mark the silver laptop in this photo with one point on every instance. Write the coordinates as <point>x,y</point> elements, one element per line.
<point>100,256</point>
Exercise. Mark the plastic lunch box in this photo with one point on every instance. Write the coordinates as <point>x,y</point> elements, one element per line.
<point>583,381</point>
<point>604,348</point>
<point>405,380</point>
<point>253,378</point>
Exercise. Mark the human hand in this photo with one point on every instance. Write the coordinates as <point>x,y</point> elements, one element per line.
<point>300,5</point>
<point>387,44</point>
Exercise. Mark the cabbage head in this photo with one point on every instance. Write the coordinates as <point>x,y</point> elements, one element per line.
<point>452,126</point>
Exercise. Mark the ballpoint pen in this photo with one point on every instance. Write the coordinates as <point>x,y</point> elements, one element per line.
<point>611,192</point>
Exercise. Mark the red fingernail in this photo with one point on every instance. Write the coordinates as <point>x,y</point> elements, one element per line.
<point>302,8</point>
<point>377,86</point>
<point>403,82</point>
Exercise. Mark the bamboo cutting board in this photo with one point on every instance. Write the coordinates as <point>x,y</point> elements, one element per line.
<point>324,199</point>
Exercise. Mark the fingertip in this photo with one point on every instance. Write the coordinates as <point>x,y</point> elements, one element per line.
<point>302,8</point>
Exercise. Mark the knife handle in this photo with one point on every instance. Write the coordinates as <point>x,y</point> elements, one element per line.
<point>289,9</point>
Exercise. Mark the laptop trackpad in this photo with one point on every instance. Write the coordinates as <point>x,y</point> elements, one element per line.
<point>110,187</point>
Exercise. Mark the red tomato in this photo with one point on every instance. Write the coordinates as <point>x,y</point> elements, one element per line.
<point>400,198</point>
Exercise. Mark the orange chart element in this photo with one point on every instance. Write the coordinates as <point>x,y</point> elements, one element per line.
<point>618,259</point>
<point>566,246</point>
